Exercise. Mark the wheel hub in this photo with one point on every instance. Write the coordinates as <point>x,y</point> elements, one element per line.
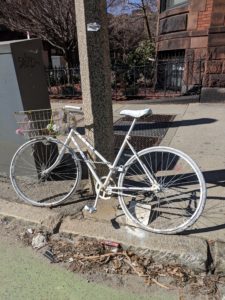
<point>156,188</point>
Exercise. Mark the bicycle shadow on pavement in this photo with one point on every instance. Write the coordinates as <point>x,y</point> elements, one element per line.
<point>142,125</point>
<point>213,216</point>
<point>160,125</point>
<point>193,122</point>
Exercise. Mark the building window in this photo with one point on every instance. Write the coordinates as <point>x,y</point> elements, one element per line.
<point>167,4</point>
<point>170,70</point>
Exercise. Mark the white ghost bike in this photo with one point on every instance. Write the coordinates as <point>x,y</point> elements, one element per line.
<point>160,189</point>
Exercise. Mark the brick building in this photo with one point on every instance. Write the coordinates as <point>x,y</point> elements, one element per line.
<point>193,31</point>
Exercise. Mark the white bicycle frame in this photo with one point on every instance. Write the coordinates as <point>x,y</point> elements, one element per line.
<point>73,134</point>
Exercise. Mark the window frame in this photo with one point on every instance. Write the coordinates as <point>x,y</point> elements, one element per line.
<point>164,5</point>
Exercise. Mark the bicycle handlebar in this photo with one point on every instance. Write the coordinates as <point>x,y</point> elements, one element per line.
<point>76,109</point>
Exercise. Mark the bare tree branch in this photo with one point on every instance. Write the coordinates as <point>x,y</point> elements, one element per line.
<point>147,7</point>
<point>51,20</point>
<point>122,38</point>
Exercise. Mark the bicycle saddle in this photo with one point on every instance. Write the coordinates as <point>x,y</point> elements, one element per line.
<point>136,113</point>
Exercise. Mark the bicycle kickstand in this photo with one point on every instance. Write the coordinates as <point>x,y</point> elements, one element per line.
<point>92,209</point>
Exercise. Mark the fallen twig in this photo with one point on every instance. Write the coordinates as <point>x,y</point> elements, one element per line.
<point>143,275</point>
<point>95,257</point>
<point>128,261</point>
<point>160,284</point>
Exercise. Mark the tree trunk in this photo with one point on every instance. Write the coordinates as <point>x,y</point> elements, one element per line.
<point>146,20</point>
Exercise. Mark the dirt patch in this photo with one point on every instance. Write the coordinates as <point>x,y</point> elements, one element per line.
<point>106,261</point>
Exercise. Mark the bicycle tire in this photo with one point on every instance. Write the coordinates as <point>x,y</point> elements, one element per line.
<point>35,156</point>
<point>151,210</point>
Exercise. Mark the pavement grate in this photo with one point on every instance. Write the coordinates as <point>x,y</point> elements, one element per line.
<point>138,142</point>
<point>148,131</point>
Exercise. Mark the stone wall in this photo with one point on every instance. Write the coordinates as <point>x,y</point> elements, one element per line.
<point>215,72</point>
<point>186,27</point>
<point>172,29</point>
<point>198,27</point>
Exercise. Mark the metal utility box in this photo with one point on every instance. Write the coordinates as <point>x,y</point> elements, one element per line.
<point>23,86</point>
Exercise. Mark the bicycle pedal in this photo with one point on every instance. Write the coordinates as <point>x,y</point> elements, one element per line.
<point>90,209</point>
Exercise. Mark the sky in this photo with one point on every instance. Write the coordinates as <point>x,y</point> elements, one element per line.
<point>127,9</point>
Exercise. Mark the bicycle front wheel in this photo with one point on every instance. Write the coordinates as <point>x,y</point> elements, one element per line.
<point>176,199</point>
<point>37,188</point>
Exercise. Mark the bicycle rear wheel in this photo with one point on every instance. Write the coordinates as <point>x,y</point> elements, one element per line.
<point>28,164</point>
<point>177,202</point>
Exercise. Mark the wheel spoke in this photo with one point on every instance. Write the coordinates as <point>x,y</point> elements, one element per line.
<point>27,172</point>
<point>177,201</point>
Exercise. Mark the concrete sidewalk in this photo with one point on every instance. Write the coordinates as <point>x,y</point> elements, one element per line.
<point>199,131</point>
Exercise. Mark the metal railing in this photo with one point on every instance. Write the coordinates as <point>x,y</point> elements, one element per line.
<point>64,81</point>
<point>160,78</point>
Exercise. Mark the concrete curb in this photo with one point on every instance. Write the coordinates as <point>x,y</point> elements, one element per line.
<point>25,212</point>
<point>177,249</point>
<point>168,100</point>
<point>218,255</point>
<point>162,100</point>
<point>190,252</point>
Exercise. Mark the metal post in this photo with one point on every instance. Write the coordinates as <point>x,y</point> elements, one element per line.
<point>200,79</point>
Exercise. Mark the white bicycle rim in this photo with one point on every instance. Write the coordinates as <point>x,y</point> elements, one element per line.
<point>55,189</point>
<point>197,172</point>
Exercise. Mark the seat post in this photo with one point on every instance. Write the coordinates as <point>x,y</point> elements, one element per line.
<point>131,127</point>
<point>124,143</point>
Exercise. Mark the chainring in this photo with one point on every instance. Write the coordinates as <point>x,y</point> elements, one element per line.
<point>104,195</point>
